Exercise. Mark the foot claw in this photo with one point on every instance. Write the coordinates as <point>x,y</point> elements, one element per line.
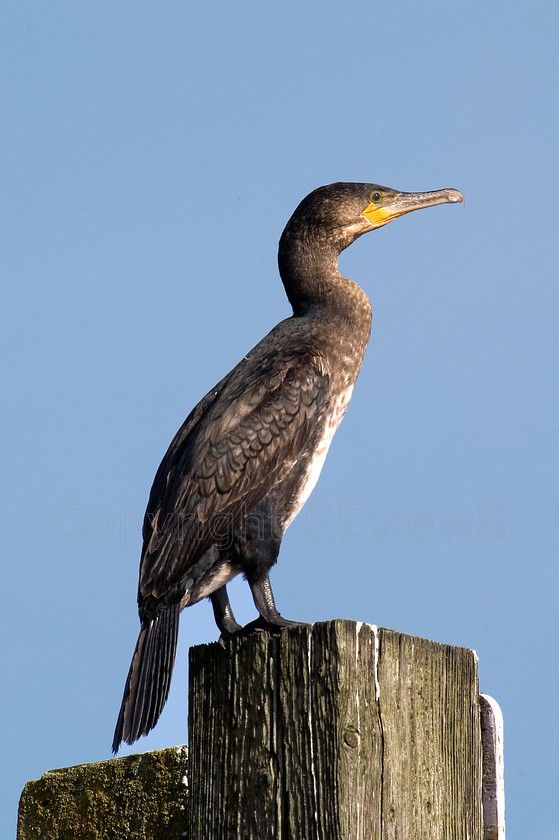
<point>276,626</point>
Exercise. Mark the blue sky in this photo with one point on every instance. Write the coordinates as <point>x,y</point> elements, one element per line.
<point>152,155</point>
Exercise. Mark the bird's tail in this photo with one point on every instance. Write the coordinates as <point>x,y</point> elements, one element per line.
<point>149,677</point>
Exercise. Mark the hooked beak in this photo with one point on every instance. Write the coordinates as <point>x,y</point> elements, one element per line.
<point>399,203</point>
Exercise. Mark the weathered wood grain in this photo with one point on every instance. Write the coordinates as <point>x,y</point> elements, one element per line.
<point>233,725</point>
<point>493,772</point>
<point>334,732</point>
<point>431,787</point>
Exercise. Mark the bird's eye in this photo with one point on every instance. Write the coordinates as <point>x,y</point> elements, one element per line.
<point>376,197</point>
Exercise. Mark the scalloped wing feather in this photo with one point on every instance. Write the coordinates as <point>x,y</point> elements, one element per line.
<point>227,456</point>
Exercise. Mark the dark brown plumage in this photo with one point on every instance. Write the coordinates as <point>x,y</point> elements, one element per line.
<point>249,454</point>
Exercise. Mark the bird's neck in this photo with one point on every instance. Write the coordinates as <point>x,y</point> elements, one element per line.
<point>314,285</point>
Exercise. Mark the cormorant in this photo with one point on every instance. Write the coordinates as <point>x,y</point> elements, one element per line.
<point>247,457</point>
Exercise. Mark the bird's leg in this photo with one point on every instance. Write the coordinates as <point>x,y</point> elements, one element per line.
<point>223,614</point>
<point>270,618</point>
<point>258,547</point>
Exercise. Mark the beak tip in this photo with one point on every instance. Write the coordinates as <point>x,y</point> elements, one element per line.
<point>455,196</point>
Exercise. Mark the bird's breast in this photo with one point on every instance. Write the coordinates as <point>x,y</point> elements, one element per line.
<point>302,479</point>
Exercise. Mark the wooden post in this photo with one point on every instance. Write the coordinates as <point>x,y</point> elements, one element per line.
<point>493,770</point>
<point>337,731</point>
<point>136,797</point>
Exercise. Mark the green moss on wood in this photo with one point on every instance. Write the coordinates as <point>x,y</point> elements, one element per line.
<point>139,796</point>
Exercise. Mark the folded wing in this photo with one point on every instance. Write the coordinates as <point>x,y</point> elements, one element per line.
<point>238,443</point>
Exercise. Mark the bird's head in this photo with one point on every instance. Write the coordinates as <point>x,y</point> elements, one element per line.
<point>331,218</point>
<point>339,213</point>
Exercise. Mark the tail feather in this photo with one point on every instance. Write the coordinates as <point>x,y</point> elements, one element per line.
<point>160,679</point>
<point>146,683</point>
<point>149,678</point>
